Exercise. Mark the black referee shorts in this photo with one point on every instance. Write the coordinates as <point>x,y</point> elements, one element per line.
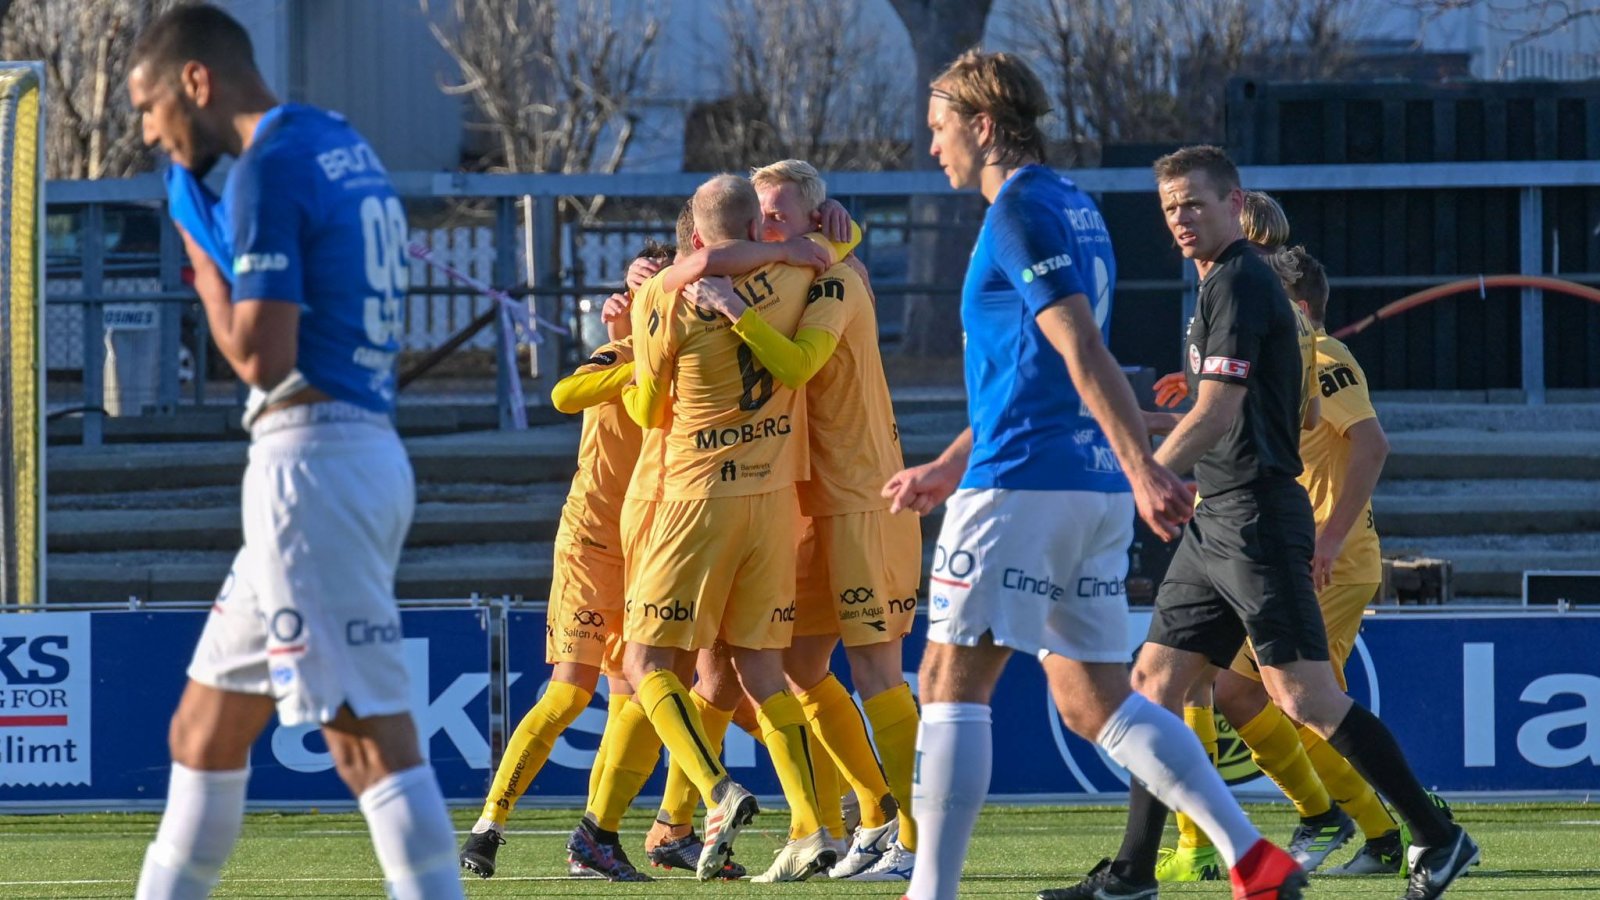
<point>1243,568</point>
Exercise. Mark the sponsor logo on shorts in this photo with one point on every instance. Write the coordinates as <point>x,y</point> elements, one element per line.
<point>282,676</point>
<point>713,438</point>
<point>852,596</point>
<point>360,632</point>
<point>940,603</point>
<point>952,567</point>
<point>1045,267</point>
<point>589,617</point>
<point>783,614</point>
<point>908,605</point>
<point>1097,587</point>
<point>1222,365</point>
<point>287,625</point>
<point>676,612</point>
<point>1018,580</point>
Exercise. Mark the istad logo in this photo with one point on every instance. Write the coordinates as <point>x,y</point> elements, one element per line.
<point>1045,267</point>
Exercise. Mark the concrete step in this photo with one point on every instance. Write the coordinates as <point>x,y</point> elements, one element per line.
<point>1469,454</point>
<point>1479,507</point>
<point>1491,565</point>
<point>218,528</point>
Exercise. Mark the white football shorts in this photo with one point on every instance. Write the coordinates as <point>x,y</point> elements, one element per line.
<point>308,614</point>
<point>1041,571</point>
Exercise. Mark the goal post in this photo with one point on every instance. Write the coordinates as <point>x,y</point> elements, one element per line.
<point>22,365</point>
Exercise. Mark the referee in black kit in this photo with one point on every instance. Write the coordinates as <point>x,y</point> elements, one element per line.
<point>1243,567</point>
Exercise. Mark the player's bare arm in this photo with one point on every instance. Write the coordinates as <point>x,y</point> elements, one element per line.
<point>1215,411</point>
<point>922,489</point>
<point>1313,413</point>
<point>1369,448</point>
<point>1160,496</point>
<point>259,338</point>
<point>739,257</point>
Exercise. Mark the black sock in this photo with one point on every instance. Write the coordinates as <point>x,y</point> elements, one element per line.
<point>604,836</point>
<point>1141,842</point>
<point>1369,746</point>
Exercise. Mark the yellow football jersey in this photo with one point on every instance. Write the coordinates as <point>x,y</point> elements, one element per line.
<point>607,452</point>
<point>735,430</point>
<point>1307,335</point>
<point>1326,453</point>
<point>855,442</point>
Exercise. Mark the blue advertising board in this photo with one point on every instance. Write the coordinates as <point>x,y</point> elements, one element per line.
<point>1481,703</point>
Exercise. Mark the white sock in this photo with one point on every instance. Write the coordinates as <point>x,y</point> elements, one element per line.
<point>205,811</point>
<point>482,825</point>
<point>412,834</point>
<point>955,754</point>
<point>1162,752</point>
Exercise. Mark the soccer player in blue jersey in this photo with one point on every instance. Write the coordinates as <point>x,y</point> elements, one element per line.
<point>301,267</point>
<point>1042,492</point>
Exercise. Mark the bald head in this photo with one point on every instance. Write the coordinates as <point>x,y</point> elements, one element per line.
<point>726,208</point>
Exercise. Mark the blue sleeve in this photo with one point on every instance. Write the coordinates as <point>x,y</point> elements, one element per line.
<point>199,212</point>
<point>269,219</point>
<point>1035,246</point>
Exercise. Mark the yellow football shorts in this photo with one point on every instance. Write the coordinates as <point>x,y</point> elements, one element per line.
<point>715,568</point>
<point>859,574</point>
<point>1342,608</point>
<point>584,621</point>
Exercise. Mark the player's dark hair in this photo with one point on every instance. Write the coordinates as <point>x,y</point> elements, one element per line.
<point>660,251</point>
<point>1205,158</point>
<point>1002,87</point>
<point>199,33</point>
<point>686,227</point>
<point>1303,278</point>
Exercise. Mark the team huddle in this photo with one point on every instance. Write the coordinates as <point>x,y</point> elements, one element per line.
<point>741,507</point>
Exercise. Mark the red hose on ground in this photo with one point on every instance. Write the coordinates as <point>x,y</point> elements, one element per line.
<point>1483,283</point>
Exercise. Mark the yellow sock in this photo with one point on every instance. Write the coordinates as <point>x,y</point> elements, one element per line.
<point>842,732</point>
<point>1343,781</point>
<point>679,797</point>
<point>1203,722</point>
<point>530,745</point>
<point>634,751</point>
<point>894,719</point>
<point>672,712</point>
<point>1275,747</point>
<point>614,707</point>
<point>826,777</point>
<point>783,723</point>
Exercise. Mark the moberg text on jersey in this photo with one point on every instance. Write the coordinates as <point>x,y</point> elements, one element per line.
<point>716,438</point>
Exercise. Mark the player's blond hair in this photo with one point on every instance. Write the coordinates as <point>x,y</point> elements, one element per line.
<point>1002,87</point>
<point>725,208</point>
<point>1263,220</point>
<point>1304,278</point>
<point>813,190</point>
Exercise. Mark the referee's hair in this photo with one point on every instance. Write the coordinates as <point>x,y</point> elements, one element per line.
<point>1205,158</point>
<point>1263,220</point>
<point>1303,278</point>
<point>1002,87</point>
<point>803,175</point>
<point>199,33</point>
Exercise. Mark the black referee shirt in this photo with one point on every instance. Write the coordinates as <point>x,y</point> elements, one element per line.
<point>1244,333</point>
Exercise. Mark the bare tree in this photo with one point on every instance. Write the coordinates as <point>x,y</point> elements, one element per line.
<point>940,31</point>
<point>92,131</point>
<point>554,81</point>
<point>1523,24</point>
<point>805,81</point>
<point>1156,70</point>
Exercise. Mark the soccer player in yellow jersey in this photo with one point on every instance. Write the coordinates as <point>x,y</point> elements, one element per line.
<point>860,564</point>
<point>716,558</point>
<point>584,621</point>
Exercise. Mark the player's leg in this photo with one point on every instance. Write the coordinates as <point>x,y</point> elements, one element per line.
<point>632,750</point>
<point>210,740</point>
<point>806,663</point>
<point>672,842</point>
<point>1195,858</point>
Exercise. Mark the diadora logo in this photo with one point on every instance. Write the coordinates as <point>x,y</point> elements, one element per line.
<point>1018,580</point>
<point>677,612</point>
<point>1336,378</point>
<point>852,596</point>
<point>1045,267</point>
<point>245,263</point>
<point>589,617</point>
<point>360,632</point>
<point>783,614</point>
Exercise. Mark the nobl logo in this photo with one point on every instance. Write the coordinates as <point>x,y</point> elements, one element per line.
<point>783,614</point>
<point>677,612</point>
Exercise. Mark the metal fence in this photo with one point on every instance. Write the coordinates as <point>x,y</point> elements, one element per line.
<point>94,268</point>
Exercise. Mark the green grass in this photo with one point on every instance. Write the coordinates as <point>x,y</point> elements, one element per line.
<point>1530,851</point>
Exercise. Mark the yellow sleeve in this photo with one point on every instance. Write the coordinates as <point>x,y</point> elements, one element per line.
<point>1345,400</point>
<point>581,390</point>
<point>655,325</point>
<point>791,362</point>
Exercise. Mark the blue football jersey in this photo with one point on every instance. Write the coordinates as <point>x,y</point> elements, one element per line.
<point>1042,240</point>
<point>311,218</point>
